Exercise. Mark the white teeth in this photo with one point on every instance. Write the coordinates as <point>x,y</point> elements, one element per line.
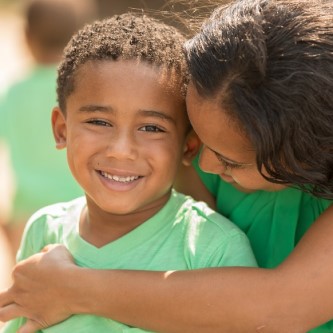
<point>118,178</point>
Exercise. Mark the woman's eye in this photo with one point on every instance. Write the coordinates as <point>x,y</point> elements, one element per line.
<point>151,128</point>
<point>228,165</point>
<point>98,122</point>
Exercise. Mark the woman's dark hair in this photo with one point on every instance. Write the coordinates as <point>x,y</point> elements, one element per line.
<point>129,37</point>
<point>270,63</point>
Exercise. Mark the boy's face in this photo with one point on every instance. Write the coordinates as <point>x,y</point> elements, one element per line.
<point>125,135</point>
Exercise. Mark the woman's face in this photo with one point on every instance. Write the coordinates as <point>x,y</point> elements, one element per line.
<point>226,151</point>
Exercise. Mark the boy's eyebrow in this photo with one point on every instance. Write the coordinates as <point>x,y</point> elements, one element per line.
<point>157,114</point>
<point>145,113</point>
<point>96,108</point>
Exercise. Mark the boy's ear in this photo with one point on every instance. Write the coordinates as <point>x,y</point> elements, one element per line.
<point>192,146</point>
<point>59,128</point>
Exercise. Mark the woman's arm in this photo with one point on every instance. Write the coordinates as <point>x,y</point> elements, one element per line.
<point>294,297</point>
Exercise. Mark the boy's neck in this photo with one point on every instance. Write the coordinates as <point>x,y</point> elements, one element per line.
<point>99,228</point>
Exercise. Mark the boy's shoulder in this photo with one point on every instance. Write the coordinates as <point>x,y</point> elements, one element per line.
<point>198,214</point>
<point>212,239</point>
<point>50,225</point>
<point>61,212</point>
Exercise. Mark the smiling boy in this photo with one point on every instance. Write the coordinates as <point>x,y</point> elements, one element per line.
<point>123,121</point>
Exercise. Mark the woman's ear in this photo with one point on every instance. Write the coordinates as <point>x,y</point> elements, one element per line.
<point>192,147</point>
<point>59,128</point>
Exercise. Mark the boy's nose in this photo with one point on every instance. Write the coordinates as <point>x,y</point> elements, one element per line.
<point>122,146</point>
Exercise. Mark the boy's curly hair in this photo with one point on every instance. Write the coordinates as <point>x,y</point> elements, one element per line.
<point>127,36</point>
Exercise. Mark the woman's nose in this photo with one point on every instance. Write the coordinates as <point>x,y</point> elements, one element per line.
<point>209,163</point>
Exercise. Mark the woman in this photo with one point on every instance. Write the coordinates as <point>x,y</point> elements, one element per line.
<point>260,99</point>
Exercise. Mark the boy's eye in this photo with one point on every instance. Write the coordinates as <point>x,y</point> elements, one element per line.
<point>98,122</point>
<point>151,128</point>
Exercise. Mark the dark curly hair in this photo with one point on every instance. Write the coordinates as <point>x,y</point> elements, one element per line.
<point>127,36</point>
<point>270,63</point>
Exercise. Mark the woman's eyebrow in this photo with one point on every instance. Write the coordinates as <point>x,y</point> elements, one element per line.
<point>228,159</point>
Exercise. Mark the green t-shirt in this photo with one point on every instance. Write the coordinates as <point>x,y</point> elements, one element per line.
<point>273,221</point>
<point>41,171</point>
<point>183,235</point>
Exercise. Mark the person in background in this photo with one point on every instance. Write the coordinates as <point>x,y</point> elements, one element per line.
<point>125,153</point>
<point>40,173</point>
<point>6,200</point>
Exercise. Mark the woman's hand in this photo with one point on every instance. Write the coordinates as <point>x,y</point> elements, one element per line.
<point>294,297</point>
<point>39,289</point>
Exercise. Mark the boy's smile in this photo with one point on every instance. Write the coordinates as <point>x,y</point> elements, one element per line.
<point>125,137</point>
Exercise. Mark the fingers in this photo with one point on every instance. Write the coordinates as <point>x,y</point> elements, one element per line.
<point>30,326</point>
<point>54,254</point>
<point>57,252</point>
<point>10,312</point>
<point>6,297</point>
<point>50,247</point>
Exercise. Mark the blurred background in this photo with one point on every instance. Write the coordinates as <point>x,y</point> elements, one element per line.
<point>14,56</point>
